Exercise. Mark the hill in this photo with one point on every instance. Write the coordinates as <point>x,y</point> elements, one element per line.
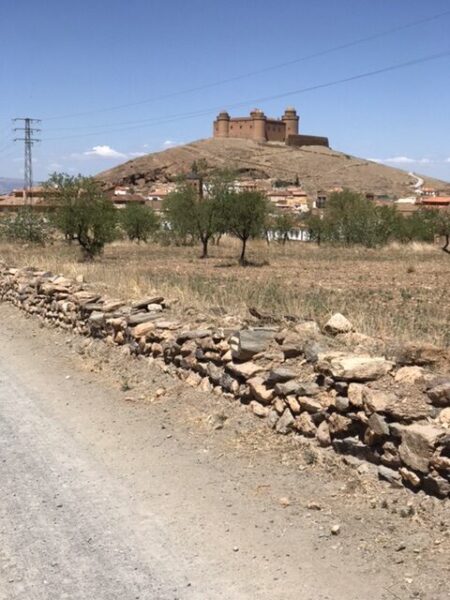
<point>7,184</point>
<point>318,168</point>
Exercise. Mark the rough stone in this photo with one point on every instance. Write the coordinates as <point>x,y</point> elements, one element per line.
<point>285,422</point>
<point>377,400</point>
<point>417,447</point>
<point>338,324</point>
<point>354,447</point>
<point>308,388</point>
<point>440,394</point>
<point>259,390</point>
<point>312,350</point>
<point>112,305</point>
<point>248,342</point>
<point>410,477</point>
<point>154,308</point>
<point>393,477</point>
<point>293,404</point>
<point>420,354</point>
<point>288,388</point>
<point>214,373</point>
<point>139,318</point>
<point>142,330</point>
<point>436,485</point>
<point>355,394</point>
<point>342,404</point>
<point>349,367</point>
<point>244,370</point>
<point>409,375</point>
<point>97,318</point>
<point>272,418</point>
<point>378,424</point>
<point>192,335</point>
<point>308,328</point>
<point>305,425</point>
<point>323,434</point>
<point>144,302</point>
<point>311,405</point>
<point>390,457</point>
<point>444,417</point>
<point>339,425</point>
<point>409,408</point>
<point>279,405</point>
<point>280,375</point>
<point>258,409</point>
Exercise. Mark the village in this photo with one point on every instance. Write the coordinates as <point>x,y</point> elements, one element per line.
<point>284,197</point>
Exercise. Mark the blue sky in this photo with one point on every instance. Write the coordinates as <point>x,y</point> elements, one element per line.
<point>60,59</point>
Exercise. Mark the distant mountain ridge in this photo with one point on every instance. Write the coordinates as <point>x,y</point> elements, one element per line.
<point>8,184</point>
<point>317,168</point>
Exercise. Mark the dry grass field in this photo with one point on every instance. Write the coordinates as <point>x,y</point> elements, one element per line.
<point>398,292</point>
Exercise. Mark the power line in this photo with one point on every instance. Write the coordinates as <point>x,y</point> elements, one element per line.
<point>157,121</point>
<point>263,70</point>
<point>29,141</point>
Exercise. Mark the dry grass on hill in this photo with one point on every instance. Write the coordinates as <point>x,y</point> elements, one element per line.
<point>399,292</point>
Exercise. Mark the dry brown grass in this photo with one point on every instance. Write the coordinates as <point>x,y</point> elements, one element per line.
<point>399,292</point>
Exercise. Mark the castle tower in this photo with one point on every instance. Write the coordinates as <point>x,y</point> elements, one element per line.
<point>222,125</point>
<point>290,119</point>
<point>259,125</point>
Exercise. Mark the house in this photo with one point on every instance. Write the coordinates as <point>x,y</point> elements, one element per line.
<point>438,202</point>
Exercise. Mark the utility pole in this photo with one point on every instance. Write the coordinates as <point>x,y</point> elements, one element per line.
<point>28,138</point>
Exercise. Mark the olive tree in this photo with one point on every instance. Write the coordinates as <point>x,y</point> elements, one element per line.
<point>83,212</point>
<point>139,222</point>
<point>189,214</point>
<point>246,216</point>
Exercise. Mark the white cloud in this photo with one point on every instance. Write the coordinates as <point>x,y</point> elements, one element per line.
<point>170,144</point>
<point>104,152</point>
<point>402,160</point>
<point>137,154</point>
<point>55,166</point>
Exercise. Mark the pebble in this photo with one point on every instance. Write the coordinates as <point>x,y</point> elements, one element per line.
<point>336,530</point>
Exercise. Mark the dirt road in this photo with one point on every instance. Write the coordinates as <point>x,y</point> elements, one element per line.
<point>110,491</point>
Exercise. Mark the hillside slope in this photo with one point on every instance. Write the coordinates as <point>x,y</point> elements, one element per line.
<point>318,168</point>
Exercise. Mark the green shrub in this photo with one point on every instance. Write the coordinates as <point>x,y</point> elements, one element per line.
<point>139,222</point>
<point>26,226</point>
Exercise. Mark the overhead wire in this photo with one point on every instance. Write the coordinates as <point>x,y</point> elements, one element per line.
<point>267,69</point>
<point>328,84</point>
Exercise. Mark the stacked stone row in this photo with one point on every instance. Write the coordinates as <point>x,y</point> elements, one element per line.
<point>390,407</point>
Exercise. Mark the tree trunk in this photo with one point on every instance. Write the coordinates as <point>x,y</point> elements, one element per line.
<point>447,243</point>
<point>242,259</point>
<point>205,248</point>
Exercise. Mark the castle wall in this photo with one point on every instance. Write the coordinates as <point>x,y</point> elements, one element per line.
<point>261,129</point>
<point>241,128</point>
<point>307,140</point>
<point>275,130</point>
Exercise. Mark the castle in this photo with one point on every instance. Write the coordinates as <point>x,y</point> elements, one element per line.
<point>260,128</point>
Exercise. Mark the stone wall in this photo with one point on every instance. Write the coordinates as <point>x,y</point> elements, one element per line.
<point>378,401</point>
<point>307,140</point>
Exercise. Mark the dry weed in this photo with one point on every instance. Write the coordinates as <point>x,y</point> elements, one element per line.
<point>399,291</point>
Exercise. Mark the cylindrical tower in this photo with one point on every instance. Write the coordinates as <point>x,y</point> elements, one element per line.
<point>259,125</point>
<point>222,125</point>
<point>290,119</point>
